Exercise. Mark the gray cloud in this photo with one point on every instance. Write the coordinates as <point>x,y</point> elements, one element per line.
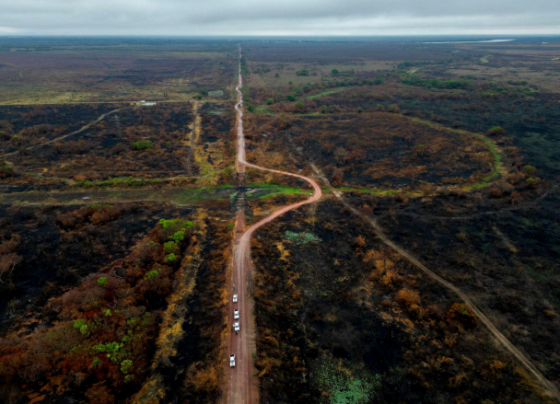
<point>282,17</point>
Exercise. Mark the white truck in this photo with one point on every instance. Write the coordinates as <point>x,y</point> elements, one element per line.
<point>232,361</point>
<point>236,327</point>
<point>235,298</point>
<point>236,314</point>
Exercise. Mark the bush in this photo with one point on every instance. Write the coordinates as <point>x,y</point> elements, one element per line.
<point>170,258</point>
<point>407,297</point>
<point>529,170</point>
<point>496,131</point>
<point>170,247</point>
<point>291,98</point>
<point>144,144</point>
<point>463,314</point>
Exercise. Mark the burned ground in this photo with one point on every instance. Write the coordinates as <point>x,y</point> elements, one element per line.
<point>531,123</point>
<point>26,126</point>
<point>331,300</point>
<point>376,149</point>
<point>134,140</point>
<point>57,246</point>
<point>507,260</point>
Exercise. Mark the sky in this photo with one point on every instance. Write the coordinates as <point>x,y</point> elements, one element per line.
<point>279,17</point>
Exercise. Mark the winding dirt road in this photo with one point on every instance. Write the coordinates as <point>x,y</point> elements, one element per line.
<point>242,382</point>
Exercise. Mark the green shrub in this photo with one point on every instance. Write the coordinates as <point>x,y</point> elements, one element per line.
<point>126,365</point>
<point>102,281</point>
<point>143,144</point>
<point>170,247</point>
<point>151,275</point>
<point>178,236</point>
<point>170,258</point>
<point>496,131</point>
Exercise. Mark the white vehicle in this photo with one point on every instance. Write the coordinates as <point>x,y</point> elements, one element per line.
<point>236,326</point>
<point>235,298</point>
<point>232,361</point>
<point>236,314</point>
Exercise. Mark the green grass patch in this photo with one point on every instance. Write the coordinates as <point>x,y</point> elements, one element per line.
<point>345,383</point>
<point>263,109</point>
<point>300,239</point>
<point>333,91</point>
<point>118,182</point>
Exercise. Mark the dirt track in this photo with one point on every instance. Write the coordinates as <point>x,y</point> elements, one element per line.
<point>549,388</point>
<point>65,136</point>
<point>242,381</point>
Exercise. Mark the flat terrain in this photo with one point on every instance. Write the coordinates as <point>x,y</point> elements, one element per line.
<point>408,255</point>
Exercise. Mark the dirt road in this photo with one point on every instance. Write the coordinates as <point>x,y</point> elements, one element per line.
<point>242,380</point>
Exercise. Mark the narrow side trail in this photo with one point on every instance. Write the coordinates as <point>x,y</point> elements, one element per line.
<point>83,128</point>
<point>549,388</point>
<point>242,381</point>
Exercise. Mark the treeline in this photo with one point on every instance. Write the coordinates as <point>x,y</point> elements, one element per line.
<point>435,83</point>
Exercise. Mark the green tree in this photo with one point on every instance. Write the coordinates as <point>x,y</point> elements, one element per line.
<point>334,72</point>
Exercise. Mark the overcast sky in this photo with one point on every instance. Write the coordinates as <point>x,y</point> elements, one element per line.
<point>278,17</point>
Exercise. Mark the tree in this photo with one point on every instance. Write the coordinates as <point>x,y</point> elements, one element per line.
<point>270,101</point>
<point>291,98</point>
<point>334,72</point>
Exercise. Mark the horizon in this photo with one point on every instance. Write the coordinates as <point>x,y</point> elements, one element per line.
<point>301,17</point>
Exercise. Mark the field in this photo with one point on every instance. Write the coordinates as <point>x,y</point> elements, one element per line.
<point>62,71</point>
<point>119,221</point>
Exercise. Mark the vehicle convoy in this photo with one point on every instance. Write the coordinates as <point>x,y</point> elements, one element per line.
<point>235,298</point>
<point>236,327</point>
<point>236,314</point>
<point>232,361</point>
